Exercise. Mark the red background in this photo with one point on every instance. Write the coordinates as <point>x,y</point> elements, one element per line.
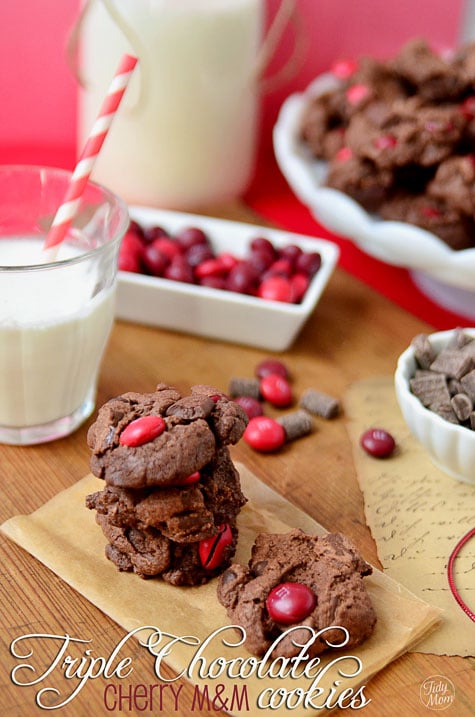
<point>38,94</point>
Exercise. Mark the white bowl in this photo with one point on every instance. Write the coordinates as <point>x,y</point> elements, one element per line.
<point>451,447</point>
<point>214,313</point>
<point>447,276</point>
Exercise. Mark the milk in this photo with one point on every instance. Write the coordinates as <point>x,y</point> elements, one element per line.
<point>186,132</point>
<point>54,324</point>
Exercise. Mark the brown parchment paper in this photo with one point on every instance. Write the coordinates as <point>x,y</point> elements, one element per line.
<point>416,513</point>
<point>403,619</point>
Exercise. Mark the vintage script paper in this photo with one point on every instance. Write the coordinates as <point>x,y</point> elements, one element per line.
<point>417,514</point>
<point>403,619</point>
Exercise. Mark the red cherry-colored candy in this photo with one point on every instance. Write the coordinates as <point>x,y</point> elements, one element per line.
<point>267,366</point>
<point>356,93</point>
<point>344,68</point>
<point>344,154</point>
<point>250,405</point>
<point>142,430</point>
<point>385,141</point>
<point>378,442</point>
<point>264,434</point>
<point>211,549</point>
<point>299,285</point>
<point>275,288</point>
<point>290,603</point>
<point>276,389</point>
<point>191,236</point>
<point>189,480</point>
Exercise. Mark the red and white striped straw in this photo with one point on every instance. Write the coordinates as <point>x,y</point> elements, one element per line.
<point>72,200</point>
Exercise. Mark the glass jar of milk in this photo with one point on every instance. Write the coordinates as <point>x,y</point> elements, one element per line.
<point>56,306</point>
<point>187,130</point>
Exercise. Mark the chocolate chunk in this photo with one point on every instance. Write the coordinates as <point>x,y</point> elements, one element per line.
<point>244,387</point>
<point>423,351</point>
<point>468,384</point>
<point>296,424</point>
<point>431,389</point>
<point>453,363</point>
<point>320,404</point>
<point>462,406</point>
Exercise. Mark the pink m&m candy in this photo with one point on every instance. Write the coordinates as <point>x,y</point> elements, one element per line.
<point>378,442</point>
<point>290,603</point>
<point>142,430</point>
<point>264,434</point>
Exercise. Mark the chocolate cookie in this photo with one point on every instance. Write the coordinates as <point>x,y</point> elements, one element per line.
<point>148,553</point>
<point>184,514</point>
<point>195,426</point>
<point>328,569</point>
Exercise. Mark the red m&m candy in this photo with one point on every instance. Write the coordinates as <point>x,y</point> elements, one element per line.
<point>211,550</point>
<point>290,603</point>
<point>378,442</point>
<point>276,389</point>
<point>142,430</point>
<point>264,434</point>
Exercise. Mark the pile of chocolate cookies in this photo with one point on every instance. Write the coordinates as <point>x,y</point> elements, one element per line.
<point>172,492</point>
<point>399,137</point>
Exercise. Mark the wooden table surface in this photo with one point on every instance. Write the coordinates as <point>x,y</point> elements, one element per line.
<point>354,333</point>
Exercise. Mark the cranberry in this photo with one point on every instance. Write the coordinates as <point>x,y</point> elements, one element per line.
<point>179,270</point>
<point>250,405</point>
<point>191,236</point>
<point>378,442</point>
<point>153,233</point>
<point>267,366</point>
<point>142,430</point>
<point>154,260</point>
<point>242,278</point>
<point>198,253</point>
<point>290,603</point>
<point>276,389</point>
<point>275,288</point>
<point>308,263</point>
<point>211,550</point>
<point>264,434</point>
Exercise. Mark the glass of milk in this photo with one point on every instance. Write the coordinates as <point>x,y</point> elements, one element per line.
<point>56,306</point>
<point>186,135</point>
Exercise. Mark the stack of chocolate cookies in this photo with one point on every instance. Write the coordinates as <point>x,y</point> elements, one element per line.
<point>172,493</point>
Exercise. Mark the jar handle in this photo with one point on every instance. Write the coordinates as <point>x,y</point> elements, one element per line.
<point>287,14</point>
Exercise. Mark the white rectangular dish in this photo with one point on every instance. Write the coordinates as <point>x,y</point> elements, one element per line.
<point>214,313</point>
